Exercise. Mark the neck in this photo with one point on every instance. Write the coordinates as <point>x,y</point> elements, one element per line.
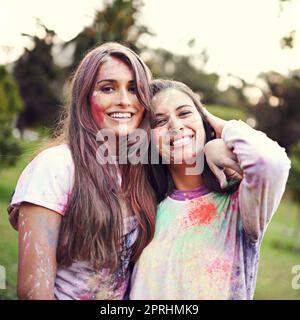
<point>184,181</point>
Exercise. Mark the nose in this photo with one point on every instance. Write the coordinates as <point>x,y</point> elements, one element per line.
<point>175,125</point>
<point>124,99</point>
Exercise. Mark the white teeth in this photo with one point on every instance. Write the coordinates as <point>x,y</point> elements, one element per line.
<point>181,141</point>
<point>121,115</point>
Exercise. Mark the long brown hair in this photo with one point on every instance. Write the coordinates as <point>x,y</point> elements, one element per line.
<point>92,226</point>
<point>158,174</point>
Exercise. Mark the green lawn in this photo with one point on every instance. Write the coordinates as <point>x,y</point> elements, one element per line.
<point>277,255</point>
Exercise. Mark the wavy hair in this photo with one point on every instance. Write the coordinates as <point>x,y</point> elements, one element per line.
<point>92,227</point>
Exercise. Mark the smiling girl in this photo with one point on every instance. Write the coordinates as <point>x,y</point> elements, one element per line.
<point>207,239</point>
<point>80,222</point>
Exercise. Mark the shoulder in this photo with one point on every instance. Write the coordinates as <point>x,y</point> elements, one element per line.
<point>55,160</point>
<point>57,155</point>
<point>47,180</point>
<point>53,165</point>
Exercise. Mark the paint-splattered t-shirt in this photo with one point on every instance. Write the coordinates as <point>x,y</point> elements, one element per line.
<point>47,181</point>
<point>206,244</point>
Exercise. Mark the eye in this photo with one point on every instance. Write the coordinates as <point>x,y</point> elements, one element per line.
<point>159,122</point>
<point>107,89</point>
<point>184,113</point>
<point>132,89</point>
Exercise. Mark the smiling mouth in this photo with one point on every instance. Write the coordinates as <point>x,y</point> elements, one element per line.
<point>176,143</point>
<point>121,115</point>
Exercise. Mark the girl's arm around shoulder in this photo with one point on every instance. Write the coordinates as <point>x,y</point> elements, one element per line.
<point>38,237</point>
<point>265,167</point>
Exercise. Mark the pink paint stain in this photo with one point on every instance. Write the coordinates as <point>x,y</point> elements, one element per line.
<point>64,204</point>
<point>200,212</point>
<point>62,207</point>
<point>219,265</point>
<point>86,296</point>
<point>97,111</point>
<point>234,201</point>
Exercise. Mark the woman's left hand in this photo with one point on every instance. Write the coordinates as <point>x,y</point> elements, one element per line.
<point>221,161</point>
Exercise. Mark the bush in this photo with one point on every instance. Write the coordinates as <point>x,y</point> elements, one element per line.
<point>10,104</point>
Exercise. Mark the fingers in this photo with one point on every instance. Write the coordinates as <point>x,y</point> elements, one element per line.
<point>207,113</point>
<point>216,122</point>
<point>219,174</point>
<point>218,170</point>
<point>209,116</point>
<point>230,163</point>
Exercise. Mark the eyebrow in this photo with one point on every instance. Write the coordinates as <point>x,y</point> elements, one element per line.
<point>178,108</point>
<point>111,80</point>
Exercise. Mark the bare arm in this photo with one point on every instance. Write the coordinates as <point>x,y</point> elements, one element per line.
<point>38,236</point>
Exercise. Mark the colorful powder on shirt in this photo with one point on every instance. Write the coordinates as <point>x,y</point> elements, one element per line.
<point>218,265</point>
<point>200,212</point>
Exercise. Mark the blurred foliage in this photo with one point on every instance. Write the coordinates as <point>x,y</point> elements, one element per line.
<point>10,100</point>
<point>10,104</point>
<point>278,111</point>
<point>36,75</point>
<point>167,65</point>
<point>294,178</point>
<point>288,41</point>
<point>227,113</point>
<point>117,21</point>
<point>40,80</point>
<point>10,148</point>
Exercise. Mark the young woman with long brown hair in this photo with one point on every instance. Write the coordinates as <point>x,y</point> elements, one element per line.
<point>207,238</point>
<point>81,223</point>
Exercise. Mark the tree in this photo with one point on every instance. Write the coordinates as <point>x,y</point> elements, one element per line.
<point>116,22</point>
<point>287,41</point>
<point>36,73</point>
<point>167,65</point>
<point>10,104</point>
<point>278,111</point>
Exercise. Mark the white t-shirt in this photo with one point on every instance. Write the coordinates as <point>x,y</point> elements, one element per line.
<point>48,181</point>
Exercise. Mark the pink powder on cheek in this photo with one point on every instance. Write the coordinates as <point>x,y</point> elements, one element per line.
<point>97,111</point>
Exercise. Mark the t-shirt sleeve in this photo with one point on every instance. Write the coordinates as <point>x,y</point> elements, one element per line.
<point>265,167</point>
<point>47,181</point>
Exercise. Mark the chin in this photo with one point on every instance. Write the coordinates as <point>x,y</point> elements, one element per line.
<point>124,132</point>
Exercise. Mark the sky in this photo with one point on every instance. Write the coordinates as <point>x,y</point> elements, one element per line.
<point>242,37</point>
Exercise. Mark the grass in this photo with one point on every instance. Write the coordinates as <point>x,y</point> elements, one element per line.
<point>227,113</point>
<point>278,254</point>
<point>9,237</point>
